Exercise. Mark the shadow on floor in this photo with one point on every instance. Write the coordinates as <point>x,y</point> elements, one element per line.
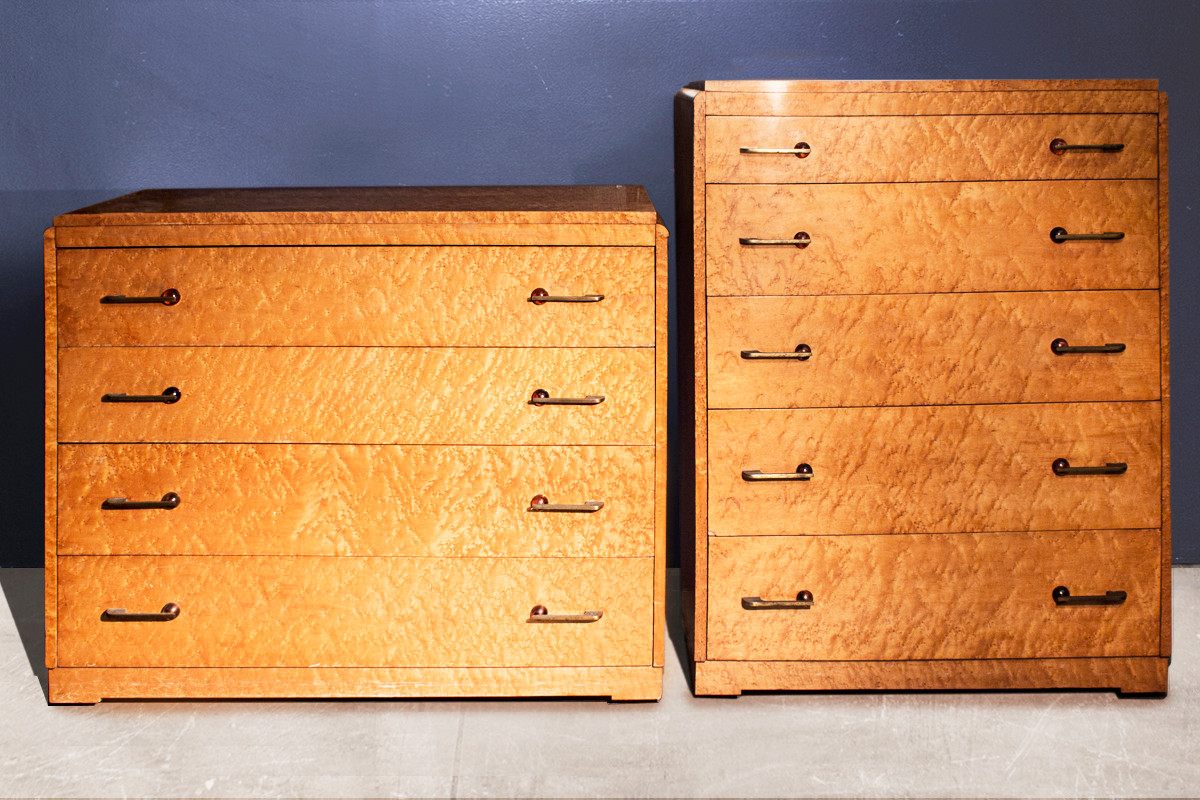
<point>675,633</point>
<point>24,589</point>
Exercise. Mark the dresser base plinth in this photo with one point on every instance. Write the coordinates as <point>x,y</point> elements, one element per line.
<point>1142,675</point>
<point>85,685</point>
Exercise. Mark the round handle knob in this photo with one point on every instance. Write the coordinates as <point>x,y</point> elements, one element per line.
<point>802,149</point>
<point>539,500</point>
<point>802,238</point>
<point>539,292</point>
<point>538,611</point>
<point>804,469</point>
<point>539,394</point>
<point>170,297</point>
<point>805,596</point>
<point>1060,592</point>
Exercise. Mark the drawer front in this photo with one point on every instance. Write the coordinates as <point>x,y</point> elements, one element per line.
<point>934,469</point>
<point>362,612</point>
<point>357,395</point>
<point>931,349</point>
<point>931,237</point>
<point>354,500</point>
<point>950,148</point>
<point>935,597</point>
<point>450,296</point>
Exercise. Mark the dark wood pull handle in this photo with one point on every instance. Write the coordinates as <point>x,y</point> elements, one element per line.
<point>1060,347</point>
<point>1063,597</point>
<point>1060,146</point>
<point>169,612</point>
<point>1063,467</point>
<point>168,396</point>
<point>803,602</point>
<point>168,298</point>
<point>1060,235</point>
<point>540,614</point>
<point>169,500</point>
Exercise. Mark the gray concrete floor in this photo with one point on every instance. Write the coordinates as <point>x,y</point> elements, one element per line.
<point>1024,744</point>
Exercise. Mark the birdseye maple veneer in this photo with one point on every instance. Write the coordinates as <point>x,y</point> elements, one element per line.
<point>931,394</point>
<point>389,442</point>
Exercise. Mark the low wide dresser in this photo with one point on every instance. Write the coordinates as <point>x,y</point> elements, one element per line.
<point>931,385</point>
<point>377,442</point>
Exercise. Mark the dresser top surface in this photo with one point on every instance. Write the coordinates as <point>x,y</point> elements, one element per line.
<point>372,204</point>
<point>809,87</point>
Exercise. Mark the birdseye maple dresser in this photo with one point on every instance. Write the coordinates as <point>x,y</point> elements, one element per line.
<point>389,442</point>
<point>931,393</point>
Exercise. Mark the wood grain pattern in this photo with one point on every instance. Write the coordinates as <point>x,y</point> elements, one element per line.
<point>365,612</point>
<point>935,469</point>
<point>357,500</point>
<point>817,89</point>
<point>50,443</point>
<point>935,597</point>
<point>766,102</point>
<point>932,348</point>
<point>931,237</point>
<point>659,500</point>
<point>281,234</point>
<point>561,204</point>
<point>1164,245</point>
<point>1132,675</point>
<point>952,148</point>
<point>357,395</point>
<point>92,684</point>
<point>359,296</point>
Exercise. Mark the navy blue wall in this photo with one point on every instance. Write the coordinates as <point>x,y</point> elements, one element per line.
<point>105,98</point>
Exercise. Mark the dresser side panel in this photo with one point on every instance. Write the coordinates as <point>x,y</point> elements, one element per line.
<point>661,371</point>
<point>51,446</point>
<point>1165,311</point>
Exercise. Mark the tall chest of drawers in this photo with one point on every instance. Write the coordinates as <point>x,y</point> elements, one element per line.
<point>931,399</point>
<point>356,442</point>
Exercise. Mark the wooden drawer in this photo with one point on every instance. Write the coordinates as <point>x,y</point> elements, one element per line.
<point>935,469</point>
<point>929,148</point>
<point>930,237</point>
<point>928,349</point>
<point>357,395</point>
<point>935,597</point>
<point>354,500</point>
<point>360,612</point>
<point>451,296</point>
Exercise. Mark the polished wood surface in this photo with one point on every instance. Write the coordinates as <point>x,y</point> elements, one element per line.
<point>661,457</point>
<point>1164,245</point>
<point>918,349</point>
<point>592,205</point>
<point>924,101</point>
<point>356,500</point>
<point>356,453</point>
<point>1128,675</point>
<point>934,469</point>
<point>50,443</point>
<point>935,597</point>
<point>357,395</point>
<point>93,684</point>
<point>359,296</point>
<point>951,148</point>
<point>278,234</point>
<point>310,612</point>
<point>931,237</point>
<point>928,275</point>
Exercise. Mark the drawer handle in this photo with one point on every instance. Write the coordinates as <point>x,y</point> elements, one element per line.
<point>1060,235</point>
<point>802,353</point>
<point>168,396</point>
<point>1060,146</point>
<point>540,614</point>
<point>169,612</point>
<point>1062,597</point>
<point>800,241</point>
<point>169,500</point>
<point>1060,347</point>
<point>168,298</point>
<point>540,296</point>
<point>799,150</point>
<point>1063,467</point>
<point>803,473</point>
<point>541,397</point>
<point>542,503</point>
<point>803,601</point>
